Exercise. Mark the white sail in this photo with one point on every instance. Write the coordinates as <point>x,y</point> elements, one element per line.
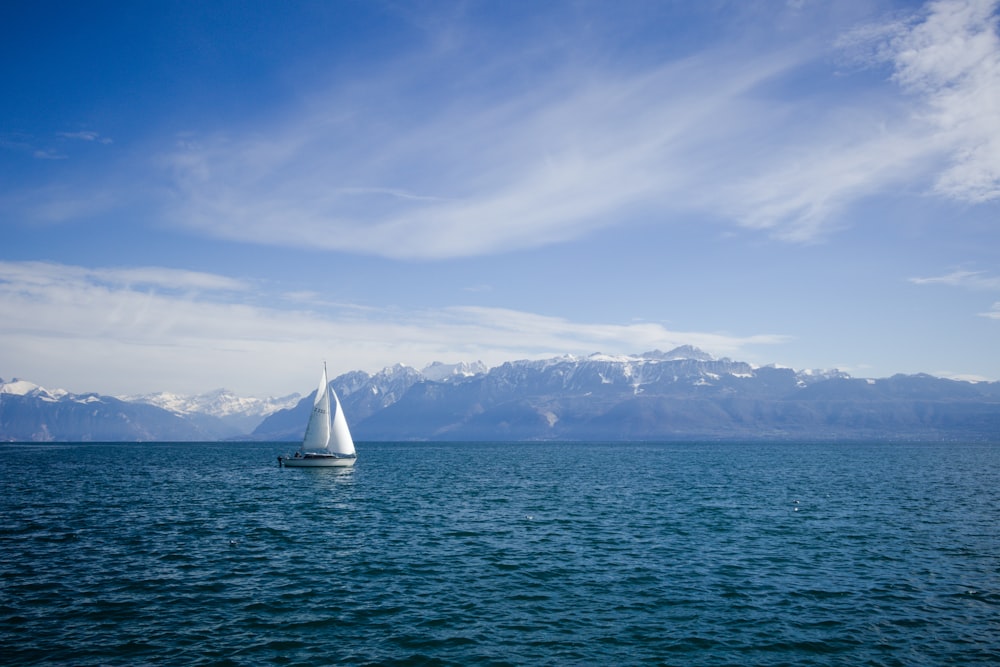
<point>317,437</point>
<point>341,441</point>
<point>327,442</point>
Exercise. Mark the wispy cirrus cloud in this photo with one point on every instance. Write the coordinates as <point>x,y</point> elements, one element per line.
<point>555,335</point>
<point>971,280</point>
<point>86,135</point>
<point>57,203</point>
<point>947,57</point>
<point>952,60</point>
<point>588,146</point>
<point>49,154</point>
<point>48,275</point>
<point>479,161</point>
<point>542,165</point>
<point>36,147</point>
<point>122,330</point>
<point>945,128</point>
<point>979,280</point>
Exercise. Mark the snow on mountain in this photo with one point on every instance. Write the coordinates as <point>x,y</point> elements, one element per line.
<point>439,372</point>
<point>390,383</point>
<point>686,365</point>
<point>678,353</point>
<point>682,393</point>
<point>220,403</point>
<point>32,413</point>
<point>386,386</point>
<point>18,387</point>
<point>817,374</point>
<point>811,376</point>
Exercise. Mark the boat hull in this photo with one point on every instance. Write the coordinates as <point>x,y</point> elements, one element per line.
<point>318,462</point>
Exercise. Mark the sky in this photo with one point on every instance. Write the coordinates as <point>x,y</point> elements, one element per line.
<point>197,195</point>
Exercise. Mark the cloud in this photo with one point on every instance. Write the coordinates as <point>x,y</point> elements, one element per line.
<point>480,173</point>
<point>505,329</point>
<point>953,60</point>
<point>140,329</point>
<point>462,150</point>
<point>58,203</point>
<point>978,280</point>
<point>27,144</point>
<point>948,58</point>
<point>973,280</point>
<point>49,154</point>
<point>946,127</point>
<point>584,145</point>
<point>961,377</point>
<point>47,274</point>
<point>993,313</point>
<point>85,135</point>
<point>804,192</point>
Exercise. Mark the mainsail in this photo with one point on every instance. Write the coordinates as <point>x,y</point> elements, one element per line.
<point>318,430</point>
<point>327,431</point>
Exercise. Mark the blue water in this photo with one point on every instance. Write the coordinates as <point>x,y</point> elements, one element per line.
<point>501,554</point>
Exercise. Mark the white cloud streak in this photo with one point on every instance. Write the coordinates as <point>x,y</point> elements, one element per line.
<point>49,154</point>
<point>474,164</point>
<point>541,168</point>
<point>144,329</point>
<point>26,143</point>
<point>86,135</point>
<point>993,313</point>
<point>971,280</point>
<point>978,280</point>
<point>49,275</point>
<point>952,61</point>
<point>587,147</point>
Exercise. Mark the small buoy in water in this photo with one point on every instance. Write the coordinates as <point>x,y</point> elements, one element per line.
<point>529,517</point>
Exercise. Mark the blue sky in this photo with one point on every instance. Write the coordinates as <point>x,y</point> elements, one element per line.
<point>223,194</point>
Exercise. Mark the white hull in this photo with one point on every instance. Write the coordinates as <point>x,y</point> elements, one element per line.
<point>318,462</point>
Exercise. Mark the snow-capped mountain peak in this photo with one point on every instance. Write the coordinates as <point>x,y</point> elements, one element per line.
<point>219,403</point>
<point>678,353</point>
<point>18,387</point>
<point>439,372</point>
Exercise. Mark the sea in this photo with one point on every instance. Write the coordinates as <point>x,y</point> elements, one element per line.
<point>501,554</point>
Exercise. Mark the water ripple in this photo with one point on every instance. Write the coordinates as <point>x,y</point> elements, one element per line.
<point>505,554</point>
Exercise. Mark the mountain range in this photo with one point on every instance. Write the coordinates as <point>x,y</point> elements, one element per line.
<point>681,394</point>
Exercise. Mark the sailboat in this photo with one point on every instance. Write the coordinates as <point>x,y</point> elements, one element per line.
<point>328,441</point>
